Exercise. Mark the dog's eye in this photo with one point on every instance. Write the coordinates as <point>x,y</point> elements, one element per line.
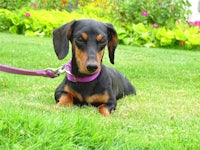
<point>103,42</point>
<point>79,40</point>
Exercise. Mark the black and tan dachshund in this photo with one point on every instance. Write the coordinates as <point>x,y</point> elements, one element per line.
<point>88,81</point>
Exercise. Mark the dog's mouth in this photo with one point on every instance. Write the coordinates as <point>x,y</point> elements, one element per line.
<point>88,67</point>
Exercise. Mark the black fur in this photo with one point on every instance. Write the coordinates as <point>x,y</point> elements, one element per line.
<point>109,80</point>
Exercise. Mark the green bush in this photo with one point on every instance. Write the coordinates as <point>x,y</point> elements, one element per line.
<point>162,13</point>
<point>42,23</point>
<point>68,5</point>
<point>13,4</point>
<point>182,35</point>
<point>36,22</point>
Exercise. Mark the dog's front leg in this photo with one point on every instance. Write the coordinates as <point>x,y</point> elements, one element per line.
<point>106,109</point>
<point>62,96</point>
<point>65,100</point>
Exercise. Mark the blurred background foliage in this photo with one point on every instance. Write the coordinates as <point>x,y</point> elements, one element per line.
<point>136,21</point>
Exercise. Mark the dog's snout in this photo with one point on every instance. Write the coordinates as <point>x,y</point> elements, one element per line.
<point>91,67</point>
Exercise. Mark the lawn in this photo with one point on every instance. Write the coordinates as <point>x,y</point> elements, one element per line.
<point>165,113</point>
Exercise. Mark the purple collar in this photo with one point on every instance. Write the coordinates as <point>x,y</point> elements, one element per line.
<point>73,78</point>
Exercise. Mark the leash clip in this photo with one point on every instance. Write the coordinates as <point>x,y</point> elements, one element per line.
<point>70,75</point>
<point>56,71</point>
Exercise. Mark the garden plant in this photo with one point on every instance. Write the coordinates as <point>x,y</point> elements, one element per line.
<point>140,22</point>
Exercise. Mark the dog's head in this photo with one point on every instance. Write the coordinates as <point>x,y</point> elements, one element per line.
<point>88,38</point>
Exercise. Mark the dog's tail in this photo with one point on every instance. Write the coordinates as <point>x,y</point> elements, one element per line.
<point>129,88</point>
<point>121,86</point>
<point>126,88</point>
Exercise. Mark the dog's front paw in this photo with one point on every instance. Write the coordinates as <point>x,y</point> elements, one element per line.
<point>65,100</point>
<point>103,110</point>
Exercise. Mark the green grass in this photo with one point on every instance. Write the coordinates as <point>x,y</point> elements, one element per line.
<point>165,114</point>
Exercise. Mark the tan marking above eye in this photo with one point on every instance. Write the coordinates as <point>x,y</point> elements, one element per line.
<point>84,36</point>
<point>99,37</point>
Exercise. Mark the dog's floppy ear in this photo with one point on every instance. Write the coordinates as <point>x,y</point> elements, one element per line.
<point>112,41</point>
<point>61,37</point>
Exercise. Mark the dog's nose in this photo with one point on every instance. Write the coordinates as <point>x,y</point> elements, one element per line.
<point>91,67</point>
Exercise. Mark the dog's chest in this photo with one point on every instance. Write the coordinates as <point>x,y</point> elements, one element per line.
<point>88,93</point>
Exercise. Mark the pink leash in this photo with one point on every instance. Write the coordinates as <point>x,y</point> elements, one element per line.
<point>51,73</point>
